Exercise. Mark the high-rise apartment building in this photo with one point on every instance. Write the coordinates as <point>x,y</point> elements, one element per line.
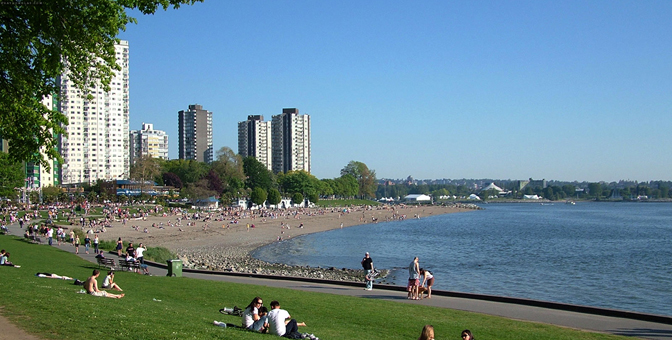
<point>37,175</point>
<point>195,134</point>
<point>148,142</point>
<point>97,143</point>
<point>254,139</point>
<point>290,141</point>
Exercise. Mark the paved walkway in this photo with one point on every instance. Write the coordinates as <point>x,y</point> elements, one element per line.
<point>577,320</point>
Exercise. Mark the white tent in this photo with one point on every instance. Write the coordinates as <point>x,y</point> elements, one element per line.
<point>474,197</point>
<point>492,186</point>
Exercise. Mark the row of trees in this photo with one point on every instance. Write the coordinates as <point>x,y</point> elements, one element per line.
<point>231,176</point>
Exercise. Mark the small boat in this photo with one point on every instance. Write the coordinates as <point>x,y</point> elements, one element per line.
<point>571,202</point>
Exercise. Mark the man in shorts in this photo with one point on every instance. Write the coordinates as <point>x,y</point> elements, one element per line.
<point>367,264</point>
<point>91,286</point>
<point>413,279</point>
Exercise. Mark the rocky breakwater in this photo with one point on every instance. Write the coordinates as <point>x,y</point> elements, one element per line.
<point>232,260</point>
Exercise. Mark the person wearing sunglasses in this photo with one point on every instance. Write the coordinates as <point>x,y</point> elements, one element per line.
<point>466,335</point>
<point>251,318</point>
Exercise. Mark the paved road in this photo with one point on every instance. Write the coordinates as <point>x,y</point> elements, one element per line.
<point>577,320</point>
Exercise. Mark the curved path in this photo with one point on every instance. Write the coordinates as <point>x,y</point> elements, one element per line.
<point>585,318</point>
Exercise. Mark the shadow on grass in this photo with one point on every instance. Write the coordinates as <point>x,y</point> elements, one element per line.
<point>384,297</point>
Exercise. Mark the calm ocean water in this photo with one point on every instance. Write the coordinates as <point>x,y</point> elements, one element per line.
<point>612,255</point>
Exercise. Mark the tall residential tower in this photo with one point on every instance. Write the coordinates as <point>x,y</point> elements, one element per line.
<point>97,143</point>
<point>291,141</point>
<point>195,134</point>
<point>254,139</point>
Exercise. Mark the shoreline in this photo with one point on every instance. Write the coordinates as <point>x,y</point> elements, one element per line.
<point>224,243</point>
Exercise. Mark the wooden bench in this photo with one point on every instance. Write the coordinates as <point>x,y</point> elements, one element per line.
<point>106,263</point>
<point>33,238</point>
<point>129,265</point>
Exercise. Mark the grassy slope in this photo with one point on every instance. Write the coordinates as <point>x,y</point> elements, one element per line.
<point>52,309</point>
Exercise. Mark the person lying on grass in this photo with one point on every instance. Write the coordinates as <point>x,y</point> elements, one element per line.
<point>91,286</point>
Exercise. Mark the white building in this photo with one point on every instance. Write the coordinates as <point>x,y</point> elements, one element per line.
<point>290,141</point>
<point>148,142</point>
<point>97,144</point>
<point>254,139</point>
<point>417,198</point>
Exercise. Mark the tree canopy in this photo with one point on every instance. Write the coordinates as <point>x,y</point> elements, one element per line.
<point>37,44</point>
<point>365,178</point>
<point>11,176</point>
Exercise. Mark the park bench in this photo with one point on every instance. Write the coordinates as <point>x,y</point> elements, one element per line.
<point>33,238</point>
<point>129,265</point>
<point>106,263</point>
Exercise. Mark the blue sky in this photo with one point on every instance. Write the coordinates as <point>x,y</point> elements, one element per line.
<point>564,90</point>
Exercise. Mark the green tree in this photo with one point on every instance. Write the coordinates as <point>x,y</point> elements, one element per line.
<point>258,176</point>
<point>595,190</point>
<point>229,166</point>
<point>365,178</point>
<point>50,194</point>
<point>313,196</point>
<point>274,197</point>
<point>258,196</point>
<point>11,175</point>
<point>297,198</point>
<point>297,181</point>
<point>346,186</point>
<point>189,171</point>
<point>144,170</point>
<point>37,44</point>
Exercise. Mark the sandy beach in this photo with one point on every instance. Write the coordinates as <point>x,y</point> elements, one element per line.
<point>224,243</point>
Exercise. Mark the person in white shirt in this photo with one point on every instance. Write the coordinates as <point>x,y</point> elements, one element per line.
<point>109,283</point>
<point>280,322</point>
<point>139,253</point>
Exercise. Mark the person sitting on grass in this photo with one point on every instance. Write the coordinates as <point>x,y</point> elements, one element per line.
<point>251,318</point>
<point>91,286</point>
<point>281,323</point>
<point>427,333</point>
<point>109,283</point>
<point>4,260</point>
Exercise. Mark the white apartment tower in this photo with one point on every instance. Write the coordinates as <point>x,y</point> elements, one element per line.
<point>148,142</point>
<point>195,134</point>
<point>97,144</point>
<point>254,139</point>
<point>291,141</point>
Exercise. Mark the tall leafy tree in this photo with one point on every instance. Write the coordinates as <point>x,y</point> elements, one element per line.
<point>274,197</point>
<point>172,179</point>
<point>229,166</point>
<point>366,178</point>
<point>11,176</point>
<point>258,196</point>
<point>144,170</point>
<point>214,182</point>
<point>37,44</point>
<point>258,176</point>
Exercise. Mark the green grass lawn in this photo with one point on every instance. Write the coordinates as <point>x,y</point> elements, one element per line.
<point>52,309</point>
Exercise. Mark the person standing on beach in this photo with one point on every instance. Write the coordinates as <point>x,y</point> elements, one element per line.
<point>367,264</point>
<point>413,279</point>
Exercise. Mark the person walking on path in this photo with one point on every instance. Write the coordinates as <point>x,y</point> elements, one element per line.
<point>367,264</point>
<point>413,279</point>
